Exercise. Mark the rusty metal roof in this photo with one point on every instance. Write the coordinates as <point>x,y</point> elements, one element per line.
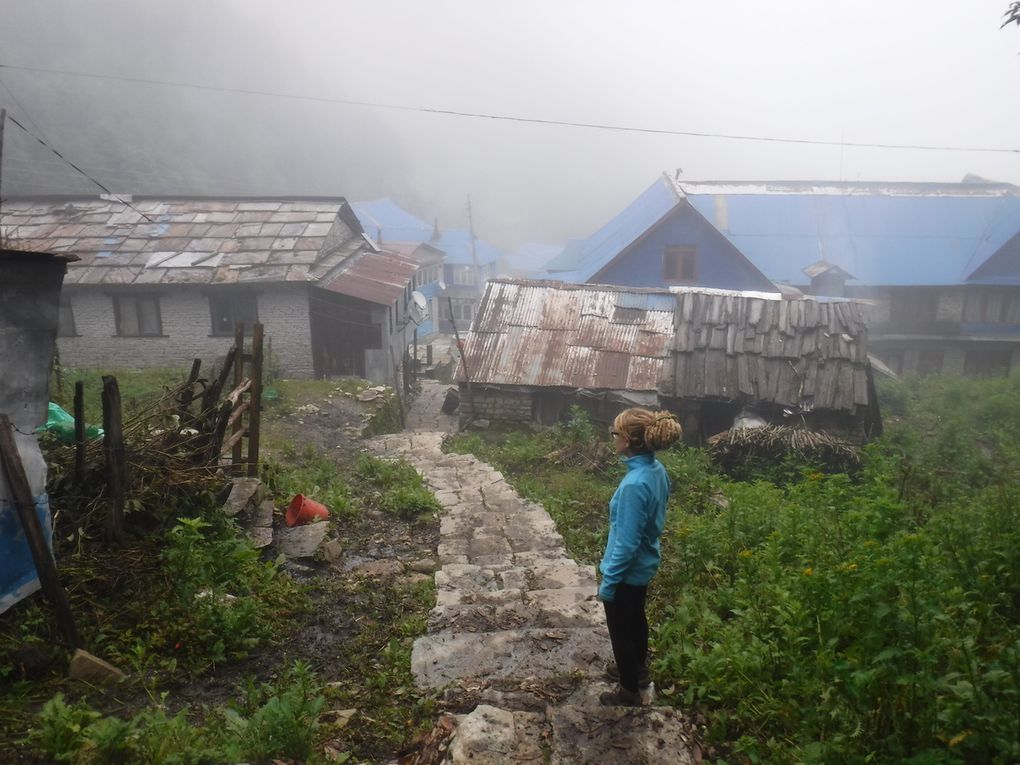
<point>191,241</point>
<point>378,277</point>
<point>684,343</point>
<point>578,336</point>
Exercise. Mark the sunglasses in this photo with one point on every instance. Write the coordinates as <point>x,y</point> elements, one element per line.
<point>614,433</point>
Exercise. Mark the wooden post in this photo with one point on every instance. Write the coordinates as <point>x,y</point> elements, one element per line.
<point>255,400</point>
<point>238,452</point>
<point>79,433</point>
<point>212,393</point>
<point>21,492</point>
<point>396,389</point>
<point>113,446</point>
<point>188,395</point>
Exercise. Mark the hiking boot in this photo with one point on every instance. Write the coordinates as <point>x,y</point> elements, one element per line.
<point>643,678</point>
<point>621,697</point>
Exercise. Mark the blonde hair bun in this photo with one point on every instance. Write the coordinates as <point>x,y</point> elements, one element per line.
<point>647,429</point>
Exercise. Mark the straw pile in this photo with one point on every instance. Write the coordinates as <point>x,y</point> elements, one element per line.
<point>733,449</point>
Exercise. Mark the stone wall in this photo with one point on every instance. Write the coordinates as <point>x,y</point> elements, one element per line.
<point>187,330</point>
<point>494,405</point>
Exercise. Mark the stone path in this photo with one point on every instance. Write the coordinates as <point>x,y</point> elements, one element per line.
<point>516,621</point>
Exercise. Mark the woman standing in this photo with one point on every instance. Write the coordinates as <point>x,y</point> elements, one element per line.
<point>637,515</point>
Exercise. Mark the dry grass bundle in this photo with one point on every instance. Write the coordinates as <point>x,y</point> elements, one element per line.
<point>736,448</point>
<point>591,457</point>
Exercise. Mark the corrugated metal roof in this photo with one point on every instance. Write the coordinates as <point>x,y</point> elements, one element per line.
<point>378,277</point>
<point>193,241</point>
<point>550,334</point>
<point>683,343</point>
<point>880,233</point>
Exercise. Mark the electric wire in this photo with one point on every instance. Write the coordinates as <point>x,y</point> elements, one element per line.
<point>511,117</point>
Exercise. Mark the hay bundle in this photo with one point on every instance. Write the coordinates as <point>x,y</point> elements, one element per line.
<point>737,448</point>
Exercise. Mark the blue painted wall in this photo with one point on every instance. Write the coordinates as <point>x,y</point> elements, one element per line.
<point>719,265</point>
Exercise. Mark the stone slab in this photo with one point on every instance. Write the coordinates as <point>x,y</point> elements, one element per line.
<point>245,494</point>
<point>599,735</point>
<point>301,541</point>
<point>444,657</point>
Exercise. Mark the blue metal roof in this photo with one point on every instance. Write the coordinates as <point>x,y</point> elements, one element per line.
<point>384,220</point>
<point>929,238</point>
<point>880,234</point>
<point>456,243</point>
<point>592,254</point>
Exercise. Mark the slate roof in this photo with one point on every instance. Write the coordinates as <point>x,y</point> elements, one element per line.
<point>686,343</point>
<point>190,241</point>
<point>893,234</point>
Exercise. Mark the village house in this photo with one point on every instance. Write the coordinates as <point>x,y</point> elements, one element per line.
<point>938,263</point>
<point>538,347</point>
<point>163,281</point>
<point>454,264</point>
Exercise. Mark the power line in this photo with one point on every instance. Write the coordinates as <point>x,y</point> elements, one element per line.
<point>510,117</point>
<point>74,166</point>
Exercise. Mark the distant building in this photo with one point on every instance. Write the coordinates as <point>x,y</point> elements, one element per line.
<point>939,263</point>
<point>539,347</point>
<point>454,284</point>
<point>163,281</point>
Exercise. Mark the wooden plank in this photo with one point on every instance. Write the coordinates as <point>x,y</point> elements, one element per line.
<point>188,394</point>
<point>230,443</point>
<point>236,414</point>
<point>717,338</point>
<point>731,339</point>
<point>744,384</point>
<point>238,426</point>
<point>255,403</point>
<point>860,386</point>
<point>113,448</point>
<point>79,433</point>
<point>21,493</point>
<point>755,311</point>
<point>396,385</point>
<point>212,393</point>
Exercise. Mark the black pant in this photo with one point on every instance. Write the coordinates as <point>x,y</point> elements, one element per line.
<point>628,631</point>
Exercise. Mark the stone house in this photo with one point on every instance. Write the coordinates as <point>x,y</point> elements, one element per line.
<point>938,263</point>
<point>538,347</point>
<point>162,281</point>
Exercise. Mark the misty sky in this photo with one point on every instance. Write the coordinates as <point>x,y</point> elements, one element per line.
<point>934,72</point>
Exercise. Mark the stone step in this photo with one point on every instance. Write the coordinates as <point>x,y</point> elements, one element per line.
<point>546,575</point>
<point>578,735</point>
<point>441,658</point>
<point>519,613</point>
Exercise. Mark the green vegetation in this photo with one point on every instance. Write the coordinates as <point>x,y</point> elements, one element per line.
<point>271,721</point>
<point>827,620</point>
<point>138,388</point>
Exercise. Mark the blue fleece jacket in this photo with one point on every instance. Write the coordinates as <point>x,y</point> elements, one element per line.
<point>637,515</point>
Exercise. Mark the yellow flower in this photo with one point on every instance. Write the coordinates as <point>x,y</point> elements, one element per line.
<point>745,554</point>
<point>809,571</point>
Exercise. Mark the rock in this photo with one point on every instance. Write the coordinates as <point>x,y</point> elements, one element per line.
<point>264,515</point>
<point>338,717</point>
<point>260,536</point>
<point>308,409</point>
<point>91,669</point>
<point>245,494</point>
<point>332,551</point>
<point>379,568</point>
<point>301,541</point>
<point>479,424</point>
<point>369,394</point>
<point>484,737</point>
<point>422,566</point>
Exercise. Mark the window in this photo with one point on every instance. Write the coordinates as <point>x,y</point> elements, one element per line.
<point>987,362</point>
<point>463,310</point>
<point>680,263</point>
<point>65,322</point>
<point>426,275</point>
<point>992,305</point>
<point>137,315</point>
<point>463,275</point>
<point>229,307</point>
<point>929,361</point>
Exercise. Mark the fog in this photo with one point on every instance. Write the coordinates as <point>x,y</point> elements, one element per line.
<point>931,72</point>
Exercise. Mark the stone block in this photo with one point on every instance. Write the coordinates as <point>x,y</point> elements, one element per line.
<point>301,541</point>
<point>245,494</point>
<point>93,670</point>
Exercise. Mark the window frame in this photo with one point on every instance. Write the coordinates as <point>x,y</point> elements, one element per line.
<point>680,263</point>
<point>232,296</point>
<point>470,277</point>
<point>136,297</point>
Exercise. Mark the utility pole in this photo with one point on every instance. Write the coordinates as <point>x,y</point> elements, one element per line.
<point>3,121</point>
<point>474,249</point>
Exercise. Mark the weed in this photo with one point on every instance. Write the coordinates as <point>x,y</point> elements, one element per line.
<point>399,487</point>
